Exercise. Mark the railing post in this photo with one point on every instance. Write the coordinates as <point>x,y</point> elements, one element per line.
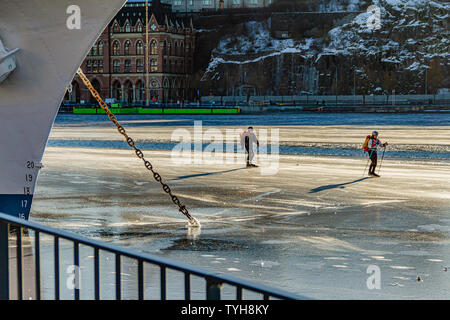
<point>213,289</point>
<point>4,261</point>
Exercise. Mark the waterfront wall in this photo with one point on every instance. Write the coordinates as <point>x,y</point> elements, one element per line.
<point>329,99</point>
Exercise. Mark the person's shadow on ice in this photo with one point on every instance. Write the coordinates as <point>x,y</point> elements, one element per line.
<point>334,186</point>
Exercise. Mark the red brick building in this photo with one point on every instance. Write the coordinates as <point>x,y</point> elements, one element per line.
<point>116,63</point>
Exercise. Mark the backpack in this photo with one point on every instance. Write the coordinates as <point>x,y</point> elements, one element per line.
<point>365,145</point>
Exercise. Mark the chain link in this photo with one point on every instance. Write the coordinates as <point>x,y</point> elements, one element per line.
<point>139,153</point>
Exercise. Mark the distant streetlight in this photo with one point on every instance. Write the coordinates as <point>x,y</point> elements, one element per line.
<point>354,84</point>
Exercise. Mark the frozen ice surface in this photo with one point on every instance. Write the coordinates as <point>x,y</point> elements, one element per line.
<point>313,228</point>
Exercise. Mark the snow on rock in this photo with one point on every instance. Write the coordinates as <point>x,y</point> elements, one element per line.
<point>398,17</point>
<point>258,41</point>
<point>411,33</point>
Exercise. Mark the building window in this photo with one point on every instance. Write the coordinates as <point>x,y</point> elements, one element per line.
<point>139,65</point>
<point>139,47</point>
<point>89,66</point>
<point>127,47</point>
<point>177,3</point>
<point>191,2</point>
<point>94,66</point>
<point>127,27</point>
<point>236,2</point>
<point>165,47</point>
<point>139,27</point>
<point>116,48</point>
<point>100,66</point>
<point>116,66</point>
<point>116,28</point>
<point>176,48</point>
<point>127,65</point>
<point>100,48</point>
<point>153,65</point>
<point>153,47</point>
<point>207,2</point>
<point>254,2</point>
<point>154,92</point>
<point>165,65</point>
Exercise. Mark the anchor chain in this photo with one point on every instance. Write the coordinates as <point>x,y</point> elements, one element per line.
<point>181,207</point>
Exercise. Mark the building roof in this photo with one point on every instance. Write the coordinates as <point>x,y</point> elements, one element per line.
<point>134,10</point>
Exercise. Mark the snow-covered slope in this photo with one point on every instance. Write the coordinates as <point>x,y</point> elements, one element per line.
<point>412,40</point>
<point>411,31</point>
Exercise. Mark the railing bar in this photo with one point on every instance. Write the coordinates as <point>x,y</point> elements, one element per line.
<point>96,274</point>
<point>56,255</point>
<point>213,289</point>
<point>239,293</point>
<point>19,264</point>
<point>163,282</point>
<point>4,260</point>
<point>37,264</point>
<point>146,258</point>
<point>187,286</point>
<point>76,262</point>
<point>118,273</point>
<point>140,280</point>
<point>127,253</point>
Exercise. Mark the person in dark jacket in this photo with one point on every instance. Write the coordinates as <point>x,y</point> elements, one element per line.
<point>248,139</point>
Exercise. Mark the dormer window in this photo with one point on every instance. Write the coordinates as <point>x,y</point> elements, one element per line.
<point>116,28</point>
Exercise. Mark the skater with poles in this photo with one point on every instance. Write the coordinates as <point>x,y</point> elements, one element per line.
<point>370,146</point>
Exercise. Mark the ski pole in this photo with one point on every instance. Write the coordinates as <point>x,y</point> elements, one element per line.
<point>367,163</point>
<point>381,162</point>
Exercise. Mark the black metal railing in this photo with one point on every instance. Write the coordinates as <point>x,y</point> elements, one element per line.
<point>11,227</point>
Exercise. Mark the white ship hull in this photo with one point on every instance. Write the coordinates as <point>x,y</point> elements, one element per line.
<point>48,55</point>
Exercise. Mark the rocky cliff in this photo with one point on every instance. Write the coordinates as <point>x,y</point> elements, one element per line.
<point>337,47</point>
